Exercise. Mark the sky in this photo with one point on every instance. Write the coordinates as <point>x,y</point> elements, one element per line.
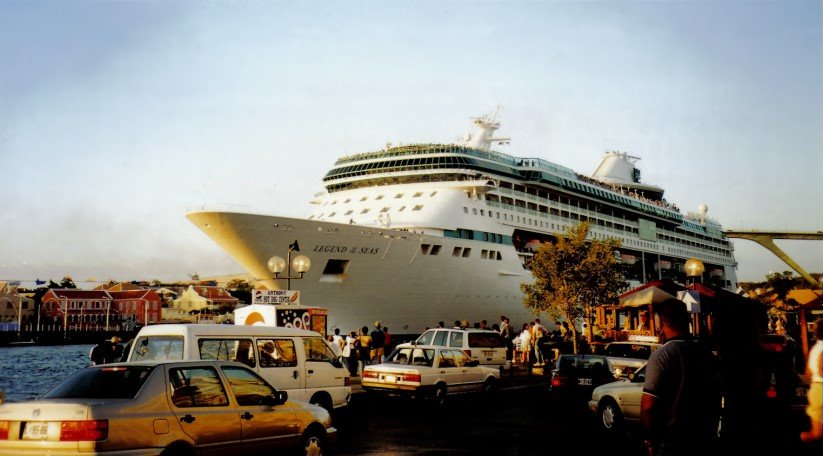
<point>119,117</point>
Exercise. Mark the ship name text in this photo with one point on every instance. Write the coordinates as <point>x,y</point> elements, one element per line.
<point>345,249</point>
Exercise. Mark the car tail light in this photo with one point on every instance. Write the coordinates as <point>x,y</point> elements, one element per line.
<point>369,374</point>
<point>91,430</point>
<point>558,380</point>
<point>411,377</point>
<point>4,430</point>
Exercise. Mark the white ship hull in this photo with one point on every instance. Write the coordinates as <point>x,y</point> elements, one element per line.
<point>387,276</point>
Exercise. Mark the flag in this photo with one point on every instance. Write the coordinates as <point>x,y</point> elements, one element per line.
<point>294,246</point>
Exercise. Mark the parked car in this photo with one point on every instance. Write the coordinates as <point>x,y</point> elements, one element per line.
<point>428,372</point>
<point>575,376</point>
<point>628,356</point>
<point>618,402</point>
<point>163,407</point>
<point>483,345</point>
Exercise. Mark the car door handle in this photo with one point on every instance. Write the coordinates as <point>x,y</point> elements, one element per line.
<point>294,374</point>
<point>187,418</point>
<point>247,416</point>
<point>311,371</point>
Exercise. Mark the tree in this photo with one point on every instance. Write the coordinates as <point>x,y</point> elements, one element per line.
<point>67,282</point>
<point>574,276</point>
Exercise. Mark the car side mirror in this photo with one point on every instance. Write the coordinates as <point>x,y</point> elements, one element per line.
<point>279,398</point>
<point>473,363</point>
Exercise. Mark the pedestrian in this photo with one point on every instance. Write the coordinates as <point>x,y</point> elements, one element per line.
<point>814,371</point>
<point>538,331</point>
<point>364,348</point>
<point>680,406</point>
<point>350,353</point>
<point>116,353</point>
<point>338,352</point>
<point>525,344</point>
<point>507,334</point>
<point>100,353</point>
<point>386,342</point>
<point>338,340</point>
<point>378,341</point>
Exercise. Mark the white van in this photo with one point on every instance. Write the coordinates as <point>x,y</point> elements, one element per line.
<point>483,345</point>
<point>298,361</point>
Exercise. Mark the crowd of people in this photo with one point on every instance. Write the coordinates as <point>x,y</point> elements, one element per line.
<point>362,348</point>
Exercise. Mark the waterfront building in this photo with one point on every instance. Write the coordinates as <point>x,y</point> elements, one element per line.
<point>138,306</point>
<point>78,309</point>
<point>14,307</point>
<point>197,302</point>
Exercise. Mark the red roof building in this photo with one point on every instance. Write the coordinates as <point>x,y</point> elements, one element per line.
<point>138,306</point>
<point>78,309</point>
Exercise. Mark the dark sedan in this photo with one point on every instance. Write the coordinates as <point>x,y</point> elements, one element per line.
<point>575,376</point>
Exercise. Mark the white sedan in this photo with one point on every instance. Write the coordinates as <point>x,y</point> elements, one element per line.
<point>428,372</point>
<point>618,402</point>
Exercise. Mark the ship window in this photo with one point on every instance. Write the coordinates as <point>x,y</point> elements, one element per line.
<point>466,252</point>
<point>457,251</point>
<point>482,212</point>
<point>418,194</point>
<point>363,198</point>
<point>334,270</point>
<point>433,193</point>
<point>435,249</point>
<point>385,209</point>
<point>349,212</point>
<point>401,208</point>
<point>334,202</point>
<point>465,210</point>
<point>364,211</point>
<point>347,200</point>
<point>399,195</point>
<point>484,254</point>
<point>474,211</point>
<point>499,256</point>
<point>417,208</point>
<point>332,214</point>
<point>379,197</point>
<point>424,248</point>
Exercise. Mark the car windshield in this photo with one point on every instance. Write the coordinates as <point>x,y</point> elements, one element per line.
<point>638,351</point>
<point>109,382</point>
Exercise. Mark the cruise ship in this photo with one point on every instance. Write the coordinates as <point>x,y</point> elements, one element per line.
<point>416,234</point>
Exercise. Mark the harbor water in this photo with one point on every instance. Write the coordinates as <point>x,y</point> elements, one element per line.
<point>27,371</point>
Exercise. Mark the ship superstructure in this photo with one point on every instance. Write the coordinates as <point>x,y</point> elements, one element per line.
<point>416,234</point>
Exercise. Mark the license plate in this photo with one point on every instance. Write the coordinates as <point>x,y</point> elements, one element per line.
<point>584,381</point>
<point>390,378</point>
<point>801,392</point>
<point>36,431</point>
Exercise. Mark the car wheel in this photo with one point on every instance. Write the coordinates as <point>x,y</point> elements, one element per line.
<point>488,387</point>
<point>439,397</point>
<point>611,418</point>
<point>314,443</point>
<point>177,449</point>
<point>323,401</point>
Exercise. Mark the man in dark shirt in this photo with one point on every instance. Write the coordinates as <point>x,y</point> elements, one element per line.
<point>378,341</point>
<point>680,406</point>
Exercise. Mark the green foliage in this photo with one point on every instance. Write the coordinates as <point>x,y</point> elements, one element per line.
<point>574,276</point>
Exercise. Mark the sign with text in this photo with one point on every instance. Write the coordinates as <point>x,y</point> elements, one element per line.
<point>276,297</point>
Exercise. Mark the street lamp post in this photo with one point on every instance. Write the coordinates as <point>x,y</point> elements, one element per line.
<point>694,270</point>
<point>301,264</point>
